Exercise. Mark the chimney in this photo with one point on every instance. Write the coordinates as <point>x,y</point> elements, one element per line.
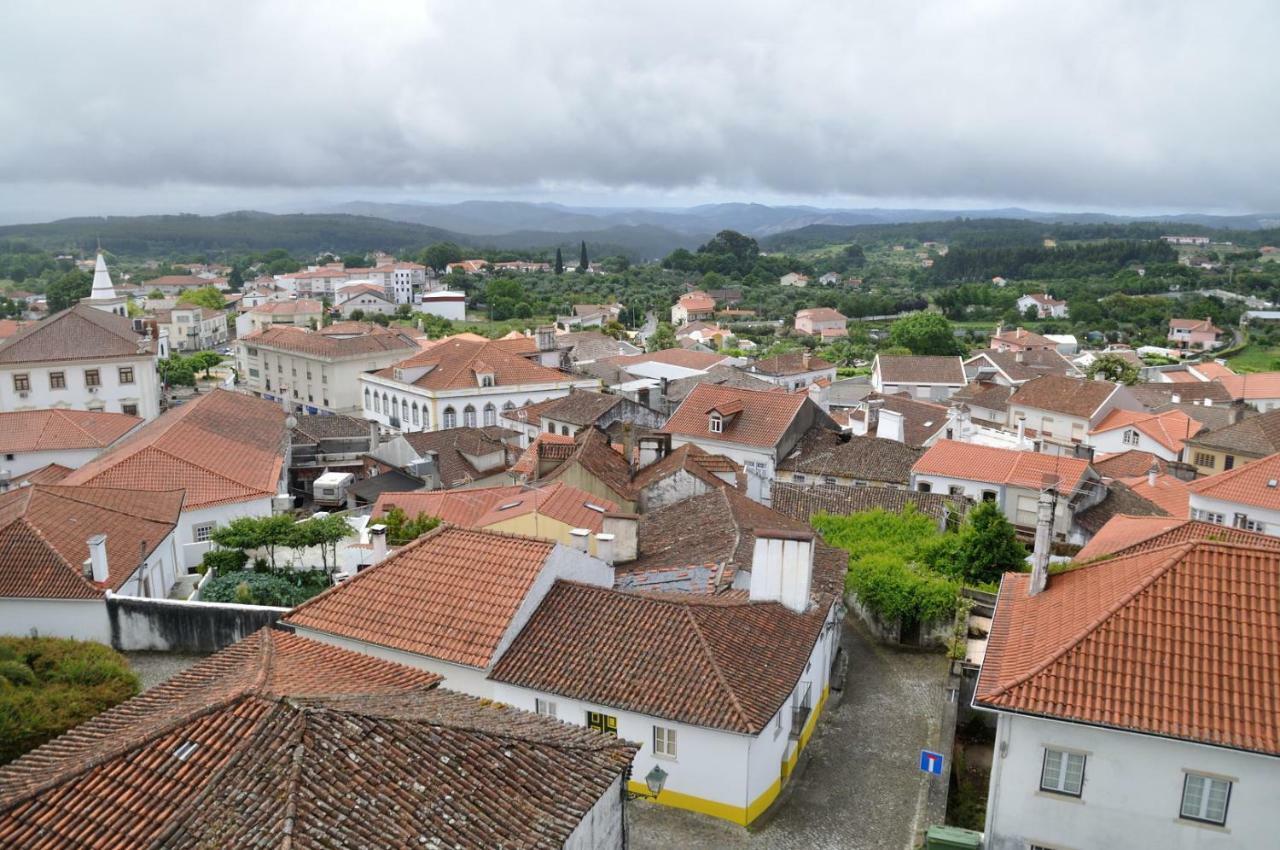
<point>378,538</point>
<point>98,558</point>
<point>1175,398</point>
<point>873,415</point>
<point>1044,535</point>
<point>782,567</point>
<point>622,528</point>
<point>1208,402</point>
<point>890,426</point>
<point>1022,429</point>
<point>804,360</point>
<point>580,538</point>
<point>604,547</point>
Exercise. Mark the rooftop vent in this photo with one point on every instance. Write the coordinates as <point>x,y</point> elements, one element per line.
<point>185,750</point>
<point>1271,483</point>
<point>508,506</point>
<point>593,507</point>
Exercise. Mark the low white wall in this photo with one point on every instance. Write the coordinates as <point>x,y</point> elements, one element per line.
<point>82,619</point>
<point>602,827</point>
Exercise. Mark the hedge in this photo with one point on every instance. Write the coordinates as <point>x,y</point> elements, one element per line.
<point>283,589</point>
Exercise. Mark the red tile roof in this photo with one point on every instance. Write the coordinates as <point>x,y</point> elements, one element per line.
<point>454,363</point>
<point>1182,641</point>
<point>1128,464</point>
<point>1060,394</point>
<point>60,429</point>
<point>1252,484</point>
<point>970,462</point>
<point>791,363</point>
<point>289,308</point>
<point>670,356</point>
<point>81,332</point>
<point>222,447</point>
<point>709,662</point>
<point>482,507</point>
<point>1128,534</point>
<point>449,595</point>
<point>1169,493</point>
<point>44,532</point>
<point>50,473</point>
<point>255,747</point>
<point>764,419</point>
<point>1168,429</point>
<point>370,340</point>
<point>1251,387</point>
<point>916,369</point>
<point>697,302</point>
<point>1022,338</point>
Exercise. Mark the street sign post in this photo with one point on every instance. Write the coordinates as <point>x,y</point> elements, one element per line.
<point>931,762</point>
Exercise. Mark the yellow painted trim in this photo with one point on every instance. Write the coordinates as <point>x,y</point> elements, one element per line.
<point>737,814</point>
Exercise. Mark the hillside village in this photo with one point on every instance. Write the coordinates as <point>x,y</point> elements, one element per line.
<point>501,551</point>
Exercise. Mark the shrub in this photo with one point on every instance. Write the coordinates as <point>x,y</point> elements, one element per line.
<point>280,589</point>
<point>222,561</point>
<point>51,685</point>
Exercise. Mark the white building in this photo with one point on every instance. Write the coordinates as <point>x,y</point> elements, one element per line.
<point>1045,305</point>
<point>466,381</point>
<point>446,303</point>
<point>1245,497</point>
<point>31,439</point>
<point>317,371</point>
<point>1178,752</point>
<point>1058,412</point>
<point>81,358</point>
<point>368,298</point>
<point>103,294</point>
<point>923,377</point>
<point>192,328</point>
<point>792,371</point>
<point>225,449</point>
<point>56,583</point>
<point>1160,434</point>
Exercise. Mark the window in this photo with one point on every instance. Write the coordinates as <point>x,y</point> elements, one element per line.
<point>601,722</point>
<point>664,742</point>
<point>1205,799</point>
<point>1204,459</point>
<point>1046,426</point>
<point>126,374</point>
<point>955,490</point>
<point>202,532</point>
<point>831,479</point>
<point>377,406</point>
<point>1062,772</point>
<point>546,708</point>
<point>366,398</point>
<point>253,373</point>
<point>924,487</point>
<point>129,409</point>
<point>988,495</point>
<point>1228,462</point>
<point>716,425</point>
<point>798,478</point>
<point>22,383</point>
<point>57,380</point>
<point>1130,437</point>
<point>91,378</point>
<point>551,427</point>
<point>564,430</point>
<point>450,417</point>
<point>415,413</point>
<point>1208,516</point>
<point>490,414</point>
<point>469,416</point>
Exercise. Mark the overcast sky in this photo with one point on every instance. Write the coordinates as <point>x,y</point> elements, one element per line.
<point>135,107</point>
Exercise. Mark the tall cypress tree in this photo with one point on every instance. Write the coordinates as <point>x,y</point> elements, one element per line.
<point>583,265</point>
<point>559,262</point>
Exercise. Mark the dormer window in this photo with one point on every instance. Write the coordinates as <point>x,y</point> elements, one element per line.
<point>716,423</point>
<point>486,380</point>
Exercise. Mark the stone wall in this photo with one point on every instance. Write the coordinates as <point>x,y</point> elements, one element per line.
<point>167,625</point>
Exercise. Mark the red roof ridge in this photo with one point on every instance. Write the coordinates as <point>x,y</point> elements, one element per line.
<point>1176,552</point>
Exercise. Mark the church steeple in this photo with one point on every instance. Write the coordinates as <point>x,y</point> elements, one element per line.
<point>102,286</point>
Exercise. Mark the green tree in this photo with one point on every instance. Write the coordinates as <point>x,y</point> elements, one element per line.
<point>1112,367</point>
<point>235,280</point>
<point>205,360</point>
<point>67,290</point>
<point>265,533</point>
<point>401,529</point>
<point>439,255</point>
<point>559,267</point>
<point>206,296</point>
<point>176,371</point>
<point>985,548</point>
<point>663,338</point>
<point>924,333</point>
<point>354,261</point>
<point>583,265</point>
<point>323,532</point>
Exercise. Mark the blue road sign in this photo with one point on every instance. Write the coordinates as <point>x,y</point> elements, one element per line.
<point>931,762</point>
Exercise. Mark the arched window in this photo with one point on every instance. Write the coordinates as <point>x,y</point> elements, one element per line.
<point>377,405</point>
<point>508,405</point>
<point>386,405</point>
<point>366,398</point>
<point>490,414</point>
<point>414,408</point>
<point>426,418</point>
<point>404,409</point>
<point>469,416</point>
<point>450,418</point>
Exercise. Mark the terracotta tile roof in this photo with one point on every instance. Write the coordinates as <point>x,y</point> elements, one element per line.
<point>791,363</point>
<point>693,460</point>
<point>450,595</point>
<point>77,333</point>
<point>1124,535</point>
<point>1020,367</point>
<point>579,407</point>
<point>221,447</point>
<point>801,502</point>
<point>1169,429</point>
<point>451,363</point>
<point>725,376</point>
<point>1211,370</point>
<point>697,302</point>
<point>822,452</point>
<point>912,369</point>
<point>482,507</point>
<point>1251,387</point>
<point>9,327</point>
<point>303,341</point>
<point>970,462</point>
<point>44,532</point>
<point>764,419</point>
<point>1153,395</point>
<point>669,356</point>
<point>272,726</point>
<point>186,280</point>
<point>1182,641</point>
<point>594,454</point>
<point>346,293</point>
<point>821,314</point>
<point>451,447</point>
<point>921,420</point>
<point>1128,464</point>
<point>50,473</point>
<point>551,447</point>
<point>1251,484</point>
<point>1194,325</point>
<point>1069,396</point>
<point>1254,435</point>
<point>993,397</point>
<point>720,665</point>
<point>1044,298</point>
<point>1023,338</point>
<point>1121,499</point>
<point>317,427</point>
<point>60,429</point>
<point>1169,492</point>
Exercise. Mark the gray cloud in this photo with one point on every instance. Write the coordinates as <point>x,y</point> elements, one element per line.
<point>114,107</point>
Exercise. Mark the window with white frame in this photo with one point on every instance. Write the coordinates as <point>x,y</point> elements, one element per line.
<point>545,707</point>
<point>1130,437</point>
<point>715,424</point>
<point>203,532</point>
<point>1062,772</point>
<point>664,742</point>
<point>1208,516</point>
<point>798,478</point>
<point>1205,798</point>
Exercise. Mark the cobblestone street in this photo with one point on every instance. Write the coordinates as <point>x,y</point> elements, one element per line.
<point>860,789</point>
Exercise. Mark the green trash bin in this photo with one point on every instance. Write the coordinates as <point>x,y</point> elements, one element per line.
<point>952,838</point>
